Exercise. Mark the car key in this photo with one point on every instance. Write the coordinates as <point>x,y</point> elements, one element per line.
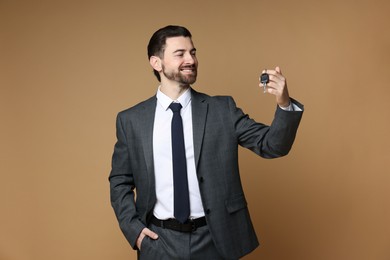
<point>264,79</point>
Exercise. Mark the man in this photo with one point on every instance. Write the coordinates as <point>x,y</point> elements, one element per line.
<point>199,211</point>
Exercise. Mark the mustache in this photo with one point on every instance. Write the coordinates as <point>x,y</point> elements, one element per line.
<point>188,67</point>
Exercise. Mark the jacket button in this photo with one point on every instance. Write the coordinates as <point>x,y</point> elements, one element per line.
<point>201,179</point>
<point>207,211</point>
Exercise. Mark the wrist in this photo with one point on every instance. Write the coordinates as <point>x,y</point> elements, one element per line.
<point>287,107</point>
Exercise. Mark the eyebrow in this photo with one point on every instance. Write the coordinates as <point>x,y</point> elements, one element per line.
<point>183,50</point>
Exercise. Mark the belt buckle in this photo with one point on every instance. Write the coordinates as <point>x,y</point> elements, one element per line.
<point>193,225</point>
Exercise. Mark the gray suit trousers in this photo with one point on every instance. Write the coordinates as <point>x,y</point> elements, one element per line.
<point>178,245</point>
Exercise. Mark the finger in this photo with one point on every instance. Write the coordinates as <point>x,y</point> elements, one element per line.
<point>145,232</point>
<point>149,233</point>
<point>271,74</point>
<point>271,91</point>
<point>279,73</point>
<point>272,87</point>
<point>276,71</point>
<point>274,74</point>
<point>274,82</point>
<point>139,240</point>
<point>275,89</point>
<point>278,82</point>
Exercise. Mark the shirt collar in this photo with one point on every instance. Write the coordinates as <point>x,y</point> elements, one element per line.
<point>165,101</point>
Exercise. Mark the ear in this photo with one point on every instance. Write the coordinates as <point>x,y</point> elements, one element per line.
<point>155,62</point>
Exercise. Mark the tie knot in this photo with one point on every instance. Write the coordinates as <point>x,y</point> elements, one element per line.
<point>175,107</point>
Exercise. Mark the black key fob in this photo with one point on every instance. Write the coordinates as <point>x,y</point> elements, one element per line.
<point>264,78</point>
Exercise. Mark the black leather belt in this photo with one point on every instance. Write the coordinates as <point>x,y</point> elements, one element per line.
<point>189,226</point>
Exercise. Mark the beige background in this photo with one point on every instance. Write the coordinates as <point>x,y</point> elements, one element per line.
<point>67,68</point>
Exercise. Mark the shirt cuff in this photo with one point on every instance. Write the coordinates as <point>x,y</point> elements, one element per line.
<point>291,107</point>
<point>287,108</point>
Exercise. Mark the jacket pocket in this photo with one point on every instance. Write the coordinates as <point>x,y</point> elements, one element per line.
<point>236,203</point>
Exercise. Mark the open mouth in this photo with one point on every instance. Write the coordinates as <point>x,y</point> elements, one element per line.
<point>188,70</point>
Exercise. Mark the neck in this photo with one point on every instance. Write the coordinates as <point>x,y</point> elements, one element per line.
<point>173,91</point>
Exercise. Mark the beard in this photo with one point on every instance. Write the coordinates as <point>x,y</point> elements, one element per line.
<point>178,76</point>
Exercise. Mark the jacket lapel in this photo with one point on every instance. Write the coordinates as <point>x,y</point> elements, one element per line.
<point>199,115</point>
<point>146,124</point>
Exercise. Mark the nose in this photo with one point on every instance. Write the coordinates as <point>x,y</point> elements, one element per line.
<point>190,58</point>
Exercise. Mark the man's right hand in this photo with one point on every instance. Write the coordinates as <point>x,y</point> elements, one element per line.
<point>145,232</point>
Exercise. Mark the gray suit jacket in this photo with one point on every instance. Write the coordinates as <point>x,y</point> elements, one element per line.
<point>218,128</point>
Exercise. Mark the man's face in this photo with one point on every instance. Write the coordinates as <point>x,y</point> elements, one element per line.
<point>179,62</point>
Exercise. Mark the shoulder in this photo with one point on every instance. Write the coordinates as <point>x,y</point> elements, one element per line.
<point>147,104</point>
<point>219,99</point>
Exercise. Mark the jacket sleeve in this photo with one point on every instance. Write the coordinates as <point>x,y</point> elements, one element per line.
<point>122,188</point>
<point>271,141</point>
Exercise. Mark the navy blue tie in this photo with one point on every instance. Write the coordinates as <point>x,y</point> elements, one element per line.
<point>180,183</point>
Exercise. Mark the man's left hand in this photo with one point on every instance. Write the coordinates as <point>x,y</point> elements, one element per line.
<point>277,86</point>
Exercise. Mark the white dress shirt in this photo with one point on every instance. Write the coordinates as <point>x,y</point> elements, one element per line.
<point>162,155</point>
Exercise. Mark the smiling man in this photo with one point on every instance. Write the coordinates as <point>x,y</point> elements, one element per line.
<point>178,151</point>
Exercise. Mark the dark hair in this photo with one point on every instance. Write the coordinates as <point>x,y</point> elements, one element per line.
<point>156,44</point>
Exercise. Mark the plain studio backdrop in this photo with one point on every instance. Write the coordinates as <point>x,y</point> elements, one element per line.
<point>68,67</point>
